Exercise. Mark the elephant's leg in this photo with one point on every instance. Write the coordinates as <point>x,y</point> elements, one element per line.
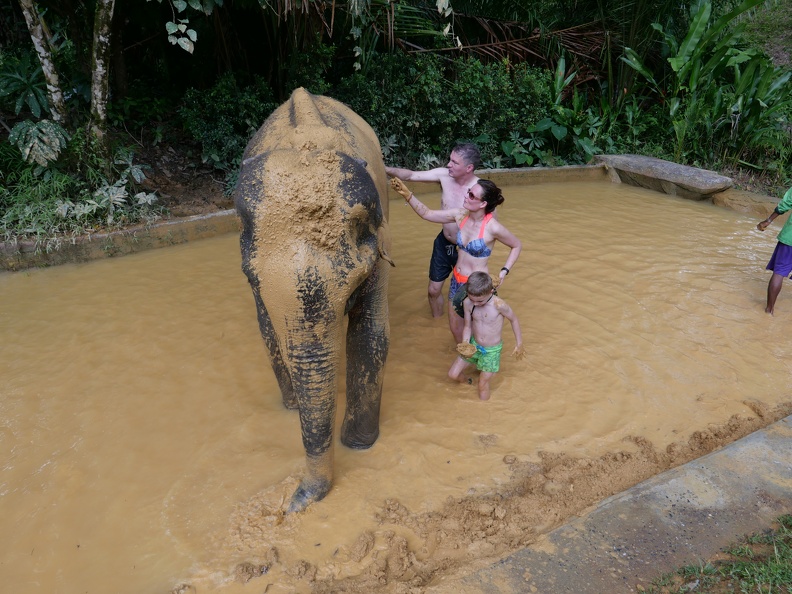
<point>276,358</point>
<point>367,348</point>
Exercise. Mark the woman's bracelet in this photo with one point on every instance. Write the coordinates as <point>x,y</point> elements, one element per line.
<point>407,200</point>
<point>506,269</point>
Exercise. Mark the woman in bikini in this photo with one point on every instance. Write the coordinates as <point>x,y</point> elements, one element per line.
<point>476,237</point>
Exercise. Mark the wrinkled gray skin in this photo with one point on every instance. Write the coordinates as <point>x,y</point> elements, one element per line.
<point>310,265</point>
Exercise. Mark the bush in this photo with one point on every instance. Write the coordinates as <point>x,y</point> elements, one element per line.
<point>22,84</point>
<point>309,68</point>
<point>404,100</point>
<point>421,106</point>
<point>223,118</point>
<point>75,193</point>
<point>492,100</point>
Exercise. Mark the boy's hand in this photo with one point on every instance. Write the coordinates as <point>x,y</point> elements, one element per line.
<point>466,349</point>
<point>519,352</point>
<point>399,186</point>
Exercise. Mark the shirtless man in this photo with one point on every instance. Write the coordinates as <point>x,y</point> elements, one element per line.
<point>455,179</point>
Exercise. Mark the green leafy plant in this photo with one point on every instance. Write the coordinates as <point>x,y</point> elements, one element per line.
<point>722,101</point>
<point>22,82</point>
<point>569,136</point>
<point>178,30</point>
<point>402,98</point>
<point>39,142</point>
<point>52,203</point>
<point>309,68</point>
<point>424,105</point>
<point>144,117</point>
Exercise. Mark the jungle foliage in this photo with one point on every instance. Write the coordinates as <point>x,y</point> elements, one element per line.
<point>545,83</point>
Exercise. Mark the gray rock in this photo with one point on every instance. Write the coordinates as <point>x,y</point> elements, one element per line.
<point>667,177</point>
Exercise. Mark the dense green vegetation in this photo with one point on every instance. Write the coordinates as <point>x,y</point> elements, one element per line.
<point>550,85</point>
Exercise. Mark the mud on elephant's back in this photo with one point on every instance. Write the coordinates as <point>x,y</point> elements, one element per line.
<point>315,242</point>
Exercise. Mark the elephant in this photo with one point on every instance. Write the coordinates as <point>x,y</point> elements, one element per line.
<point>315,242</point>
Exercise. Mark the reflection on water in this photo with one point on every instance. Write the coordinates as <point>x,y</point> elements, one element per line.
<point>138,410</point>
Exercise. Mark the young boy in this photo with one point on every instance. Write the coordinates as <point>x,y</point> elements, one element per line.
<point>482,342</point>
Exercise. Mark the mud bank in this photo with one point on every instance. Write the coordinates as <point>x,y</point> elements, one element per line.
<point>412,551</point>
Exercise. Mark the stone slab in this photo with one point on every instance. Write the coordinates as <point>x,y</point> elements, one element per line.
<point>665,176</point>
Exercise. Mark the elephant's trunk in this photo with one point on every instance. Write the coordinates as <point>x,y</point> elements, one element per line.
<point>313,365</point>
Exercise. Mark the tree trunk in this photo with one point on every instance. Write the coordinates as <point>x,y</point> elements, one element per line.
<point>40,41</point>
<point>100,80</point>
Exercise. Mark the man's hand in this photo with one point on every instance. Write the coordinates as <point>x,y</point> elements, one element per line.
<point>399,186</point>
<point>519,352</point>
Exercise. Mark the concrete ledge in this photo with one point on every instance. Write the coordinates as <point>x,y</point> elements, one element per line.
<point>598,172</point>
<point>29,254</point>
<point>656,174</point>
<point>539,175</point>
<point>676,518</point>
<point>666,177</point>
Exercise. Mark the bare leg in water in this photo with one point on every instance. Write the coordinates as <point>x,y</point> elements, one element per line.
<point>773,289</point>
<point>456,323</point>
<point>436,298</point>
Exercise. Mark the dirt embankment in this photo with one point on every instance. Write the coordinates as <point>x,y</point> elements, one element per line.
<point>184,187</point>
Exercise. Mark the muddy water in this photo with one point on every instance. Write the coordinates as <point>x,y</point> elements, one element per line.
<point>144,445</point>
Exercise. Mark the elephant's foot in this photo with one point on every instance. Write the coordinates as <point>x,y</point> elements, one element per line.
<point>308,493</point>
<point>357,439</point>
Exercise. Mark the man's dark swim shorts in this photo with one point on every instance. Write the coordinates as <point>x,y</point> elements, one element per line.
<point>444,257</point>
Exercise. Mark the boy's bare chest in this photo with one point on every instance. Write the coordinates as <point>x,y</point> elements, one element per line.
<point>484,313</point>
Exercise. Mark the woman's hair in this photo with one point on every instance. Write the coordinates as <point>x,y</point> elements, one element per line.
<point>479,284</point>
<point>492,195</point>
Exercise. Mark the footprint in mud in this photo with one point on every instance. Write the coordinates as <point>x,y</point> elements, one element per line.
<point>487,439</point>
<point>233,475</point>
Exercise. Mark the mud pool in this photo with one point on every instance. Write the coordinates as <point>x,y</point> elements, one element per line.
<point>145,447</point>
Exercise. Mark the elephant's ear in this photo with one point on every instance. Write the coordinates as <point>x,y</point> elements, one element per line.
<point>384,243</point>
